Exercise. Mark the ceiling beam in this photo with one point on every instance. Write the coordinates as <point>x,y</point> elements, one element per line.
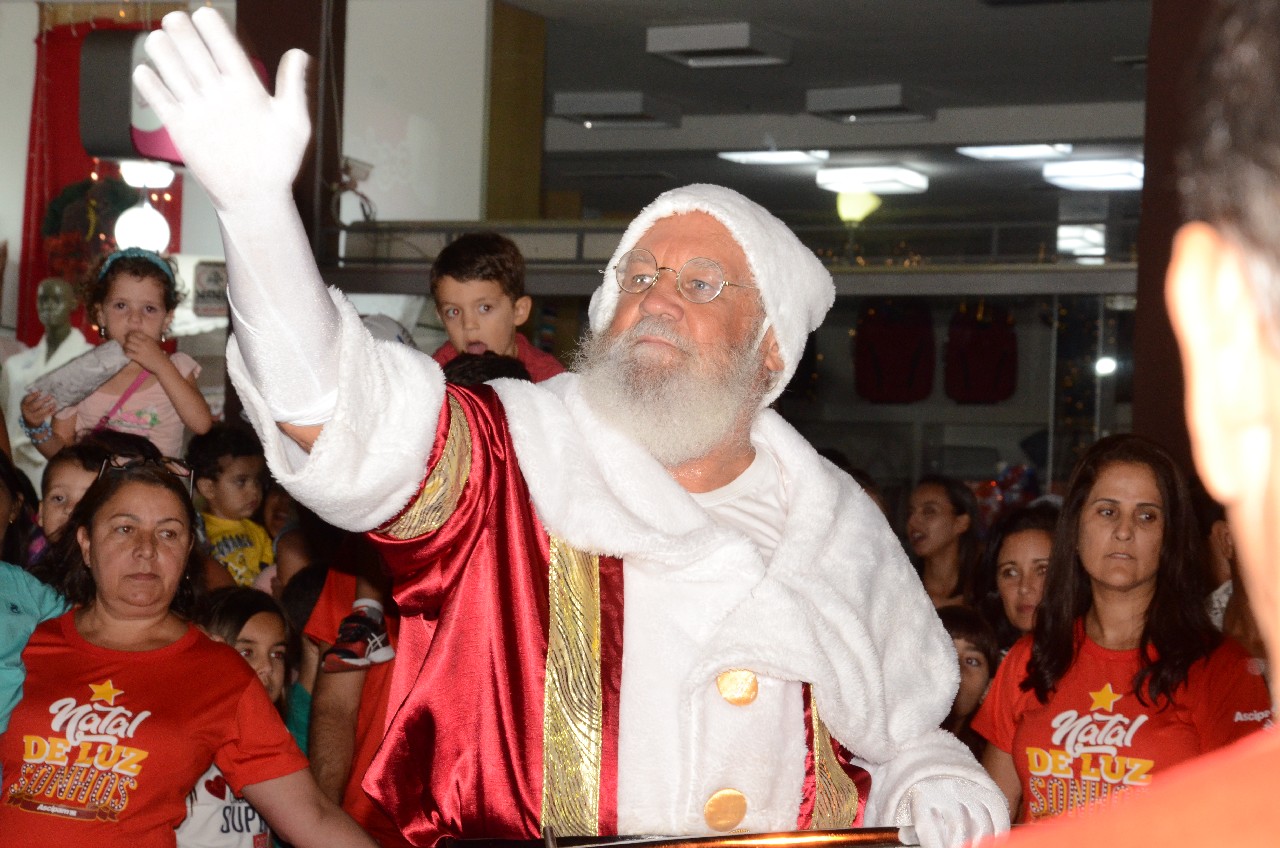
<point>984,125</point>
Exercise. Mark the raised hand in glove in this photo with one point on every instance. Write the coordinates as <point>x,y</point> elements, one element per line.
<point>236,139</point>
<point>245,147</point>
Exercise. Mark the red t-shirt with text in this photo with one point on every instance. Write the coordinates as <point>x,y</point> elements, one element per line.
<point>105,744</point>
<point>1095,738</point>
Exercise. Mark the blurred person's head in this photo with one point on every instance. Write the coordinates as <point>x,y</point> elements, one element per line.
<point>1223,285</point>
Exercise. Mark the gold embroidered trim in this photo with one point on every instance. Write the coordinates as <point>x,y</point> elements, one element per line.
<point>835,803</point>
<point>572,726</point>
<point>443,487</point>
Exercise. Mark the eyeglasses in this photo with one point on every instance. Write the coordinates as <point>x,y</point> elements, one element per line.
<point>699,280</point>
<point>169,464</point>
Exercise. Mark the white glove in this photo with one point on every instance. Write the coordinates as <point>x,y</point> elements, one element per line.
<point>245,147</point>
<point>949,812</point>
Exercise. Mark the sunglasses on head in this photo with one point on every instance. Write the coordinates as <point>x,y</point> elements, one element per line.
<point>169,464</point>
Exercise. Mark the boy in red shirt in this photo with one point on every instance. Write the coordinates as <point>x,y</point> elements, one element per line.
<point>477,282</point>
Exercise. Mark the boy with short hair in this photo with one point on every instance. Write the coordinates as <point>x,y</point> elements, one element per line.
<point>227,465</point>
<point>477,282</point>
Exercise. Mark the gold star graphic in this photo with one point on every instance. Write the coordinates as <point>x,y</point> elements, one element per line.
<point>1105,698</point>
<point>105,692</point>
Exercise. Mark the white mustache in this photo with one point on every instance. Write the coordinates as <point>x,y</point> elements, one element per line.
<point>656,328</point>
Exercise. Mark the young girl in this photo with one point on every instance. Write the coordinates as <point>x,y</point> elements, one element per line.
<point>943,534</point>
<point>975,643</point>
<point>254,624</point>
<point>131,295</point>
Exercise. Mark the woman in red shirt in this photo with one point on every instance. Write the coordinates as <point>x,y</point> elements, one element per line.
<point>1123,676</point>
<point>126,704</point>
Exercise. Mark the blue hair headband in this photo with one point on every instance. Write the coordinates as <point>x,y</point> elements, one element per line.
<point>138,253</point>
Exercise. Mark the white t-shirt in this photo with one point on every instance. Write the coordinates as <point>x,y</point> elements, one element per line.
<point>216,818</point>
<point>754,503</point>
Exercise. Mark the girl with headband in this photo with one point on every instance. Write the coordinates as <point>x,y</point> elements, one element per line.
<point>130,295</point>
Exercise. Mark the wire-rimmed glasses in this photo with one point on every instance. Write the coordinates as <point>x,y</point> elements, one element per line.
<point>700,280</point>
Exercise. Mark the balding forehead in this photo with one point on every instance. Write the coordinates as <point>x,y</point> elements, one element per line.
<point>705,235</point>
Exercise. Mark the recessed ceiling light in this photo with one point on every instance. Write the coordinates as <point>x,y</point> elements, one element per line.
<point>866,104</point>
<point>884,179</point>
<point>730,45</point>
<point>614,109</point>
<point>1015,152</point>
<point>776,157</point>
<point>1095,174</point>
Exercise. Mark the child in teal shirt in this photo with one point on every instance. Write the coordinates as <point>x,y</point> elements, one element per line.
<point>24,603</point>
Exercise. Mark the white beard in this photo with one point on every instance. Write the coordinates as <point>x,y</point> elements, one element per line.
<point>680,412</point>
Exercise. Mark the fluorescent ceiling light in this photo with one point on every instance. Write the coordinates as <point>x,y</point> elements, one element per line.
<point>866,104</point>
<point>614,109</point>
<point>728,45</point>
<point>1095,174</point>
<point>1105,366</point>
<point>886,179</point>
<point>1015,152</point>
<point>776,157</point>
<point>1082,239</point>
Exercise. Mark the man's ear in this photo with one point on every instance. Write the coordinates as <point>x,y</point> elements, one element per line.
<point>522,307</point>
<point>1226,353</point>
<point>772,353</point>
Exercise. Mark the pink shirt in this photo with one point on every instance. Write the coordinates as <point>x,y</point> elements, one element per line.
<point>148,412</point>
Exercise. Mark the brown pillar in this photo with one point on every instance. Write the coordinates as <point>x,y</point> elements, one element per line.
<point>320,28</point>
<point>517,59</point>
<point>1157,370</point>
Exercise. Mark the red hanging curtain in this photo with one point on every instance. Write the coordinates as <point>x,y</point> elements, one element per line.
<point>72,199</point>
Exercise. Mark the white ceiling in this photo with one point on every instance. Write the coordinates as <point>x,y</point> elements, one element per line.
<point>995,71</point>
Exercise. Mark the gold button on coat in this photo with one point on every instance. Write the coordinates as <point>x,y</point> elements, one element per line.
<point>738,686</point>
<point>725,810</point>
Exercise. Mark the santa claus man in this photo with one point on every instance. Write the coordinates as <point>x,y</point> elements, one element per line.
<point>634,599</point>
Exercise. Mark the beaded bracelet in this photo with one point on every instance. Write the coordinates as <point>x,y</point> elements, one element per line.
<point>38,435</point>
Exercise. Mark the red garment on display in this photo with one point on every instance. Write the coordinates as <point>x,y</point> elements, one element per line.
<point>1225,798</point>
<point>1095,738</point>
<point>105,745</point>
<point>540,364</point>
<point>331,607</point>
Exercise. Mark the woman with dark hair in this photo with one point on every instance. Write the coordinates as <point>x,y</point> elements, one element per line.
<point>1008,586</point>
<point>126,704</point>
<point>943,536</point>
<point>1124,675</point>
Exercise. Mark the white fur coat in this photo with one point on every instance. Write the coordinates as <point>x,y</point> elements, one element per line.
<point>838,606</point>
